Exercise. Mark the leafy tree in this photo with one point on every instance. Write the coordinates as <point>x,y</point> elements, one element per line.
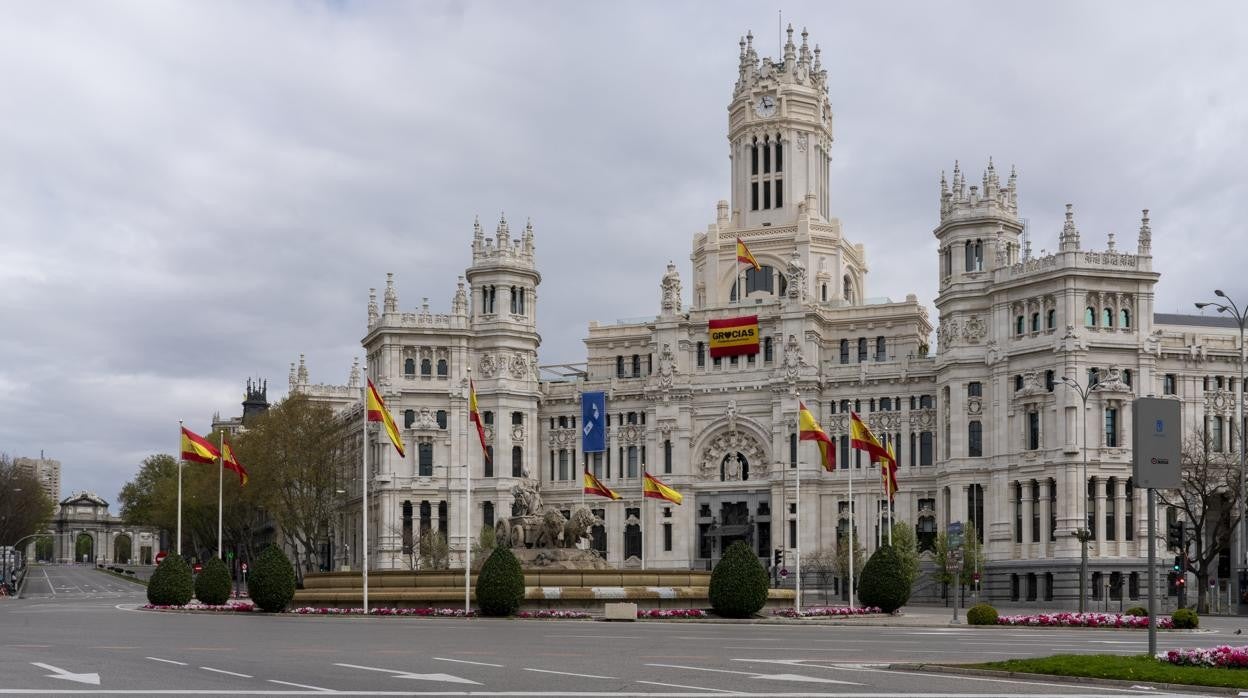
<point>433,550</point>
<point>738,587</point>
<point>842,559</point>
<point>885,582</point>
<point>500,584</point>
<point>25,508</point>
<point>981,614</point>
<point>906,546</point>
<point>212,586</point>
<point>271,580</point>
<point>170,583</point>
<point>1207,500</point>
<point>483,547</point>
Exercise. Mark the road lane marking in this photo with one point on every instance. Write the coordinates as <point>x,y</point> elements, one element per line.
<point>49,580</point>
<point>59,673</point>
<point>302,685</point>
<point>166,661</point>
<point>569,673</point>
<point>600,637</point>
<point>466,661</point>
<point>231,673</point>
<point>761,676</point>
<point>692,688</point>
<point>445,678</point>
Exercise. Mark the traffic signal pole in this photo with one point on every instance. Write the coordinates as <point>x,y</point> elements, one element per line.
<point>1152,572</point>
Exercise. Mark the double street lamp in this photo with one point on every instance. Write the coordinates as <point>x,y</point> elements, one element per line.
<point>1228,306</point>
<point>1083,533</point>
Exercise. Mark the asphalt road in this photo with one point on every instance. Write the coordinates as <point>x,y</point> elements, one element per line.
<point>76,582</point>
<point>142,652</point>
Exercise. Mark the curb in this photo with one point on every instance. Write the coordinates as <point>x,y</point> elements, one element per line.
<point>1059,678</point>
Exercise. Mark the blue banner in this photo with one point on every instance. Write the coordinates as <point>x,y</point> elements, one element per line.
<point>594,417</point>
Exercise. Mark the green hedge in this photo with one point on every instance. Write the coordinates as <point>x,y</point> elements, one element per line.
<point>1185,619</point>
<point>271,580</point>
<point>500,584</point>
<point>738,583</point>
<point>981,614</point>
<point>885,581</point>
<point>171,583</point>
<point>212,586</point>
<point>1137,611</point>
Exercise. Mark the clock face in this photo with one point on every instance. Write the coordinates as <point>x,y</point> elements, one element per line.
<point>765,106</point>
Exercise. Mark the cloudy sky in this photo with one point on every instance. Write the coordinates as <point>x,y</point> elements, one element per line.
<point>195,193</point>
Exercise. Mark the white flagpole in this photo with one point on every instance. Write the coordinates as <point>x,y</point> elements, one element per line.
<point>179,487</point>
<point>468,508</point>
<point>851,533</point>
<point>797,600</point>
<point>220,479</point>
<point>641,519</point>
<point>364,490</point>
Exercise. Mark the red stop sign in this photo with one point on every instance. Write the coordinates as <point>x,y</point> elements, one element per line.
<point>160,556</point>
<point>198,568</point>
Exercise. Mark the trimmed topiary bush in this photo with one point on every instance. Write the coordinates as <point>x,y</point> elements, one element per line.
<point>885,581</point>
<point>171,583</point>
<point>212,586</point>
<point>271,580</point>
<point>1185,619</point>
<point>981,614</point>
<point>500,584</point>
<point>738,583</point>
<point>1137,611</point>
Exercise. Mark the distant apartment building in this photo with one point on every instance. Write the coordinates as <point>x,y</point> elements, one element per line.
<point>48,472</point>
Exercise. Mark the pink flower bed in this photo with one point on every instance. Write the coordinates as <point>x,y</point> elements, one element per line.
<point>235,607</point>
<point>1223,656</point>
<point>552,613</point>
<point>1084,620</point>
<point>419,612</point>
<point>826,612</point>
<point>671,613</point>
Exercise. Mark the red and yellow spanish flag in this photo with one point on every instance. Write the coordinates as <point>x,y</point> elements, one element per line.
<point>593,486</point>
<point>809,430</point>
<point>377,412</point>
<point>862,439</point>
<point>230,461</point>
<point>655,489</point>
<point>745,257</point>
<point>196,448</point>
<point>475,415</point>
<point>888,473</point>
<point>734,336</point>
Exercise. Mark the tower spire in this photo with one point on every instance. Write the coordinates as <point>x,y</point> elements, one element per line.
<point>1069,240</point>
<point>1146,236</point>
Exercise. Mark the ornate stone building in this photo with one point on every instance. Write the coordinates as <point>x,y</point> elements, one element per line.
<point>84,531</point>
<point>984,430</point>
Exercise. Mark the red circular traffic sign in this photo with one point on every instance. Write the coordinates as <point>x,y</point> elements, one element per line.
<point>244,566</point>
<point>198,568</point>
<point>160,556</point>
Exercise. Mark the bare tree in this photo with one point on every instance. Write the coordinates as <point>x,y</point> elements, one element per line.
<point>433,550</point>
<point>25,508</point>
<point>822,564</point>
<point>1207,500</point>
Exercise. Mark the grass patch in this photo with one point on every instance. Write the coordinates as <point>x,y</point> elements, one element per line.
<point>1125,668</point>
<point>127,577</point>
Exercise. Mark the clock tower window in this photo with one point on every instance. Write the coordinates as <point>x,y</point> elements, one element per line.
<point>767,182</point>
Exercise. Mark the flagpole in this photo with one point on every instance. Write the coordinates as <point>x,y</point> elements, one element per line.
<point>641,520</point>
<point>364,491</point>
<point>468,511</point>
<point>797,600</point>
<point>220,479</point>
<point>180,437</point>
<point>851,534</point>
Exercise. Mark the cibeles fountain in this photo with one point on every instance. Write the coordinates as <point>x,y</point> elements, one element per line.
<point>540,535</point>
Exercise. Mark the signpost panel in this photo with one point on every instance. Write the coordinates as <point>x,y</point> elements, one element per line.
<point>1156,442</point>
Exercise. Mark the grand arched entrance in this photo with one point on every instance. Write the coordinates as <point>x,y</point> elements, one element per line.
<point>122,549</point>
<point>84,548</point>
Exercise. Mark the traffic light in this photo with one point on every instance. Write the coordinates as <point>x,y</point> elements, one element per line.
<point>1174,536</point>
<point>777,557</point>
<point>1178,563</point>
<point>1181,581</point>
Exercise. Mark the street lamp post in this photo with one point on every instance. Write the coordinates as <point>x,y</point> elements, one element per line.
<point>1084,533</point>
<point>1228,306</point>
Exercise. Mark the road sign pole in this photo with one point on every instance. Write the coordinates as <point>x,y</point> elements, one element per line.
<point>1152,572</point>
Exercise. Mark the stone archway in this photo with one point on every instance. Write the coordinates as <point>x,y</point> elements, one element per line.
<point>122,549</point>
<point>84,548</point>
<point>733,455</point>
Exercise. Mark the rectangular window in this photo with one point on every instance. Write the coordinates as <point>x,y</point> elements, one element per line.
<point>1111,427</point>
<point>1215,432</point>
<point>792,533</point>
<point>667,537</point>
<point>779,189</point>
<point>767,159</point>
<point>667,456</point>
<point>925,448</point>
<point>517,418</point>
<point>632,461</point>
<point>975,439</point>
<point>792,450</point>
<point>754,196</point>
<point>1033,431</point>
<point>563,464</point>
<point>974,389</point>
<point>701,355</point>
<point>779,157</point>
<point>754,160</point>
<point>489,461</point>
<point>766,196</point>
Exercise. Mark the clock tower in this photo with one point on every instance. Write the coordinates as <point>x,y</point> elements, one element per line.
<point>780,134</point>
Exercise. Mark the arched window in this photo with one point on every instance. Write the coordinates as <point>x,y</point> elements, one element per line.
<point>823,292</point>
<point>515,308</point>
<point>1051,320</point>
<point>1124,319</point>
<point>862,349</point>
<point>619,367</point>
<point>1107,317</point>
<point>1035,322</point>
<point>881,349</point>
<point>520,300</point>
<point>426,516</point>
<point>424,459</point>
<point>426,368</point>
<point>409,417</point>
<point>442,368</point>
<point>409,367</point>
<point>847,292</point>
<point>489,461</point>
<point>767,351</point>
<point>517,461</point>
<point>1020,325</point>
<point>1089,317</point>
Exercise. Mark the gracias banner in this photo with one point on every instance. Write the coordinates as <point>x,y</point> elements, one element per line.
<point>734,336</point>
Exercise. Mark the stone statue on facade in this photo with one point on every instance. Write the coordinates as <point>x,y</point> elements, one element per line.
<point>671,289</point>
<point>797,277</point>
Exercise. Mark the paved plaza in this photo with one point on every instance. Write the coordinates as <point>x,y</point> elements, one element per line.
<point>91,630</point>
